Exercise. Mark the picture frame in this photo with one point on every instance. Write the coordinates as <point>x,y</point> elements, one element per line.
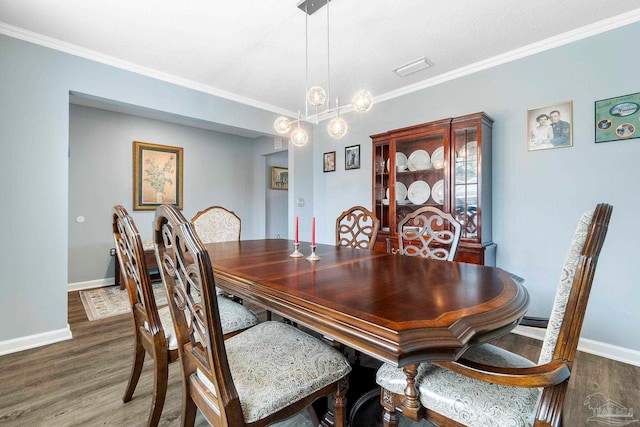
<point>550,126</point>
<point>157,176</point>
<point>329,161</point>
<point>617,118</point>
<point>352,157</point>
<point>279,178</point>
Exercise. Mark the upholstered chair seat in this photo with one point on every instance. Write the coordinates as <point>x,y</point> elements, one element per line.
<point>233,318</point>
<point>468,401</point>
<point>167,324</point>
<point>274,364</point>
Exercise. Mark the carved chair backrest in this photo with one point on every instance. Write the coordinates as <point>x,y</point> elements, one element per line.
<point>134,270</point>
<point>430,233</point>
<point>217,224</point>
<point>357,228</point>
<point>187,272</point>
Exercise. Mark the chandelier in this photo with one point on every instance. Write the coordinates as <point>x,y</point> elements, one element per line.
<point>316,96</point>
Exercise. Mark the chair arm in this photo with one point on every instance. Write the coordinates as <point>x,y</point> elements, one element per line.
<point>534,322</point>
<point>546,375</point>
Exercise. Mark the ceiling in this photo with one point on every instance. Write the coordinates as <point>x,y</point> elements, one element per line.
<point>254,51</point>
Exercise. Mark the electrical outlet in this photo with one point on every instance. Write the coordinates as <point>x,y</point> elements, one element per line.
<point>112,251</point>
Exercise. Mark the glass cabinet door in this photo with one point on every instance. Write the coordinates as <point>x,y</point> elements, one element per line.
<point>465,176</point>
<point>381,185</point>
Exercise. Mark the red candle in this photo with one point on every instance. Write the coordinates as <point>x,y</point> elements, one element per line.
<point>313,231</point>
<point>296,229</point>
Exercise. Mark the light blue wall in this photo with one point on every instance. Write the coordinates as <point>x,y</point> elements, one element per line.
<point>537,196</point>
<point>217,171</point>
<point>34,132</point>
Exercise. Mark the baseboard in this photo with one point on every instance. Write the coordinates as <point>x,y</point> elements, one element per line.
<point>598,348</point>
<point>32,341</point>
<point>100,283</point>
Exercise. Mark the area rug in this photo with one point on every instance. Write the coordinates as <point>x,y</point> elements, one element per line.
<point>101,303</point>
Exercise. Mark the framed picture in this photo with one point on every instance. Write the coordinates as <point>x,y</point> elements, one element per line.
<point>549,127</point>
<point>157,176</point>
<point>352,157</point>
<point>279,178</point>
<point>618,118</point>
<point>329,161</point>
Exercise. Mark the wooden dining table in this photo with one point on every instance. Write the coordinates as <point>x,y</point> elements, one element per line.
<point>397,309</point>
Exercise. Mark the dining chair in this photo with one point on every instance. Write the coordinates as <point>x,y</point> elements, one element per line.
<point>357,228</point>
<point>430,233</point>
<point>489,386</point>
<point>217,224</point>
<point>263,375</point>
<point>153,329</point>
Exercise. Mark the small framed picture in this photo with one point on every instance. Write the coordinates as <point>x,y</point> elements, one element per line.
<point>329,162</point>
<point>352,157</point>
<point>549,127</point>
<point>618,118</point>
<point>279,178</point>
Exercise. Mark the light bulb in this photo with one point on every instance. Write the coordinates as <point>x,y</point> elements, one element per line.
<point>362,101</point>
<point>316,96</point>
<point>337,127</point>
<point>299,137</point>
<point>282,125</point>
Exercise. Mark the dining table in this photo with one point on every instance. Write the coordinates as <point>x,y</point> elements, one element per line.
<point>398,309</point>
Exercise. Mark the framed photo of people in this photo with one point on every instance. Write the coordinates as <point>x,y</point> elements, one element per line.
<point>617,118</point>
<point>549,126</point>
<point>352,157</point>
<point>329,162</point>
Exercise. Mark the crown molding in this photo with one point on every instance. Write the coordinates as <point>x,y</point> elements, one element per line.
<point>50,42</point>
<point>532,49</point>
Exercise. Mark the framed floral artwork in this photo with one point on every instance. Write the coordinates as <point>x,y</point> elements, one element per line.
<point>157,176</point>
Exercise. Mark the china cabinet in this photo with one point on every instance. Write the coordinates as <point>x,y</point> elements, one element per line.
<point>444,163</point>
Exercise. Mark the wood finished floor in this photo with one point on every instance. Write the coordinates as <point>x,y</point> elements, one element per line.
<point>80,382</point>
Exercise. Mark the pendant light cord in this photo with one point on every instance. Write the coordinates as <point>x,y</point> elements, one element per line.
<point>328,60</point>
<point>306,62</point>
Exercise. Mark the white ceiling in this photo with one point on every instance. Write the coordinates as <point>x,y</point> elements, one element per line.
<point>254,51</point>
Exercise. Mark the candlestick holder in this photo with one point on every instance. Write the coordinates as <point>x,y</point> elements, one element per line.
<point>296,253</point>
<point>313,256</point>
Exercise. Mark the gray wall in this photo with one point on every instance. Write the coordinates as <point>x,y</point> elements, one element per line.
<point>217,171</point>
<point>537,196</point>
<point>277,210</point>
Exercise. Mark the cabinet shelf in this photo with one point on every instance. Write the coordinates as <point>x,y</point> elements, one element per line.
<point>466,183</point>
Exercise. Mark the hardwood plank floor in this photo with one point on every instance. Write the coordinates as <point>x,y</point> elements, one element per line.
<point>80,382</point>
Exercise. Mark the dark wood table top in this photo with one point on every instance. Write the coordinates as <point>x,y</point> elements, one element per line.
<point>398,309</point>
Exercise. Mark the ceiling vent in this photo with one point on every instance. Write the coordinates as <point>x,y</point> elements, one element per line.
<point>413,66</point>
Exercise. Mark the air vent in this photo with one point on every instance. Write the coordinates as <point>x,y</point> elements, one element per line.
<point>413,66</point>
